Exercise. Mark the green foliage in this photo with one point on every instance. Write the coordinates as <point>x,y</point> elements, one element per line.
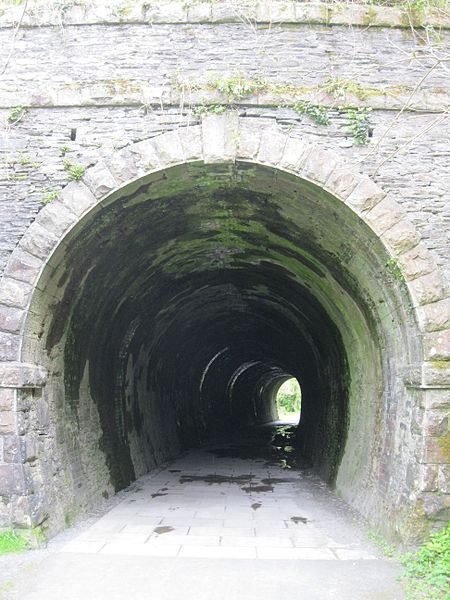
<point>64,149</point>
<point>395,270</point>
<point>427,571</point>
<point>319,114</point>
<point>203,109</point>
<point>16,113</point>
<point>359,124</point>
<point>49,196</point>
<point>75,172</point>
<point>338,87</point>
<point>386,548</point>
<point>289,397</point>
<point>237,86</point>
<point>12,542</point>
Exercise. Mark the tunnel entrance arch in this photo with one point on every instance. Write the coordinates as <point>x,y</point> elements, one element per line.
<point>289,263</point>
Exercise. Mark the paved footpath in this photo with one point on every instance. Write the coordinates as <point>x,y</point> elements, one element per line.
<point>225,522</point>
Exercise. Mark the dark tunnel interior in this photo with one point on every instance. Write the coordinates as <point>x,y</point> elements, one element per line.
<point>173,311</point>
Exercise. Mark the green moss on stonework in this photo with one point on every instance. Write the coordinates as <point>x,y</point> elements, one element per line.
<point>444,445</point>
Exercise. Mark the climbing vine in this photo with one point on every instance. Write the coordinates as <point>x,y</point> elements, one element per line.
<point>359,123</point>
<point>319,114</point>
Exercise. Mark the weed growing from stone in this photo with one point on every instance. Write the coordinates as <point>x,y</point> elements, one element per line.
<point>12,542</point>
<point>427,571</point>
<point>319,114</point>
<point>75,172</point>
<point>16,113</point>
<point>203,109</point>
<point>359,123</point>
<point>387,549</point>
<point>50,196</point>
<point>238,86</point>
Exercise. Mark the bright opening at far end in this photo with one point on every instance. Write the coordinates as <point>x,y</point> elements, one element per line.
<point>289,397</point>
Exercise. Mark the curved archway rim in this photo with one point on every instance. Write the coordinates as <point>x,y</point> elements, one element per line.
<point>227,139</point>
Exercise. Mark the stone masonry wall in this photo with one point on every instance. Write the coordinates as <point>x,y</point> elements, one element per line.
<point>108,83</point>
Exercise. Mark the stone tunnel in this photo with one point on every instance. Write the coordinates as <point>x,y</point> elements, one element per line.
<point>165,294</point>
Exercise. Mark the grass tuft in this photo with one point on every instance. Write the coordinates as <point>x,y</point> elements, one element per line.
<point>10,542</point>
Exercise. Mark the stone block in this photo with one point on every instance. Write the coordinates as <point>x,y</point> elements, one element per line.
<point>275,12</point>
<point>416,262</point>
<point>14,293</point>
<point>23,423</point>
<point>365,196</point>
<point>11,318</point>
<point>436,373</point>
<point>401,237</point>
<point>434,505</point>
<point>428,288</point>
<point>23,266</point>
<point>428,478</point>
<point>318,165</point>
<point>100,180</point>
<point>7,422</point>
<point>199,13</point>
<point>437,345</point>
<point>220,137</point>
<point>191,142</point>
<point>434,399</point>
<point>384,215</point>
<point>342,182</point>
<point>169,149</point>
<point>444,479</point>
<point>166,12</point>
<point>145,156</point>
<point>9,346</point>
<point>435,316</point>
<point>271,148</point>
<point>12,480</point>
<point>435,450</point>
<point>295,153</point>
<point>7,399</point>
<point>22,375</point>
<point>435,423</point>
<point>56,217</point>
<point>77,197</point>
<point>38,241</point>
<point>12,449</point>
<point>249,139</point>
<point>122,166</point>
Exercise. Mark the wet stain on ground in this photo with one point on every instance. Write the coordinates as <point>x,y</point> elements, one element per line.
<point>213,478</point>
<point>257,488</point>
<point>163,529</point>
<point>275,446</point>
<point>298,520</point>
<point>274,480</point>
<point>256,505</point>
<point>157,494</point>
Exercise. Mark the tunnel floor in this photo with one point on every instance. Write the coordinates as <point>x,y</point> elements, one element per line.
<point>239,518</point>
